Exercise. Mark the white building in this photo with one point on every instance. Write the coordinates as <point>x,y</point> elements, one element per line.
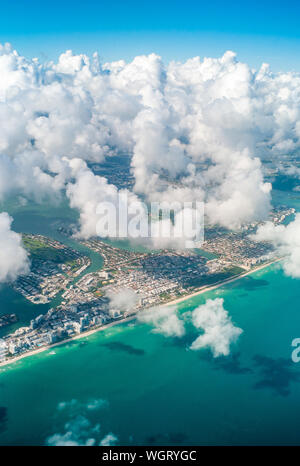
<point>3,350</point>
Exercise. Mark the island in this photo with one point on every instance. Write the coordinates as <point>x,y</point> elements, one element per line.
<point>155,277</point>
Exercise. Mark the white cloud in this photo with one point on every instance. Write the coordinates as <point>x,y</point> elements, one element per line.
<point>286,239</point>
<point>122,301</point>
<point>67,404</point>
<point>95,404</point>
<point>109,440</point>
<point>165,320</point>
<point>219,331</point>
<point>195,130</point>
<point>91,405</point>
<point>13,257</point>
<point>79,430</point>
<point>88,191</point>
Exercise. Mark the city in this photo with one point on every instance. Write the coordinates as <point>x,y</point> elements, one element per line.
<point>155,277</point>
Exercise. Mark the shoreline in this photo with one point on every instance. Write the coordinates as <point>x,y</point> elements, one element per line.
<point>68,340</point>
<point>219,284</point>
<point>205,289</point>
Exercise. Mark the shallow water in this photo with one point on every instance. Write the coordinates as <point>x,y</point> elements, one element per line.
<point>158,391</point>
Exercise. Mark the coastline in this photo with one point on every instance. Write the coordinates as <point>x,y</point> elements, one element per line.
<point>133,316</point>
<point>219,284</point>
<point>68,340</point>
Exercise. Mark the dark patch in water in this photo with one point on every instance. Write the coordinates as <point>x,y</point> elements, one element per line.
<point>276,374</point>
<point>250,283</point>
<point>165,439</point>
<point>285,183</point>
<point>185,341</point>
<point>83,343</point>
<point>118,346</point>
<point>177,438</point>
<point>3,418</point>
<point>230,364</point>
<point>73,343</point>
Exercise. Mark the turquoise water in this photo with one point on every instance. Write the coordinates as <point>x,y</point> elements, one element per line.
<point>45,220</point>
<point>160,392</point>
<point>157,390</point>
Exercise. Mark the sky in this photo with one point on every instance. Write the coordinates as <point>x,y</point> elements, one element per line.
<point>265,31</point>
<point>205,124</point>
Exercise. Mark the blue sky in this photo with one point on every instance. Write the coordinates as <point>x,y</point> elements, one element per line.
<point>265,31</point>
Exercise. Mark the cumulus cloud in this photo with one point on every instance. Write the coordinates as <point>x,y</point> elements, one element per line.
<point>109,440</point>
<point>219,331</point>
<point>79,430</point>
<point>101,205</point>
<point>286,239</point>
<point>89,191</point>
<point>203,127</point>
<point>95,404</point>
<point>91,405</point>
<point>13,257</point>
<point>122,301</point>
<point>165,320</point>
<point>193,131</point>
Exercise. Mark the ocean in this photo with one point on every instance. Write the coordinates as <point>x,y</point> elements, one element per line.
<point>147,389</point>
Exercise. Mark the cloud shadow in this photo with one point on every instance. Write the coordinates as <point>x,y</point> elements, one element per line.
<point>276,374</point>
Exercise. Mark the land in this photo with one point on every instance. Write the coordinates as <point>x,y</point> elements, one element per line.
<point>127,318</point>
<point>153,277</point>
<point>53,268</point>
<point>116,170</point>
<point>223,282</point>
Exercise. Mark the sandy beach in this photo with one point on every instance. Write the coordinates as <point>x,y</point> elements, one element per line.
<point>133,316</point>
<point>219,284</point>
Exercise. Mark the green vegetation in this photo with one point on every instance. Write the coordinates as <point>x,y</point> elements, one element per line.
<point>40,250</point>
<point>165,296</point>
<point>215,278</point>
<point>73,264</point>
